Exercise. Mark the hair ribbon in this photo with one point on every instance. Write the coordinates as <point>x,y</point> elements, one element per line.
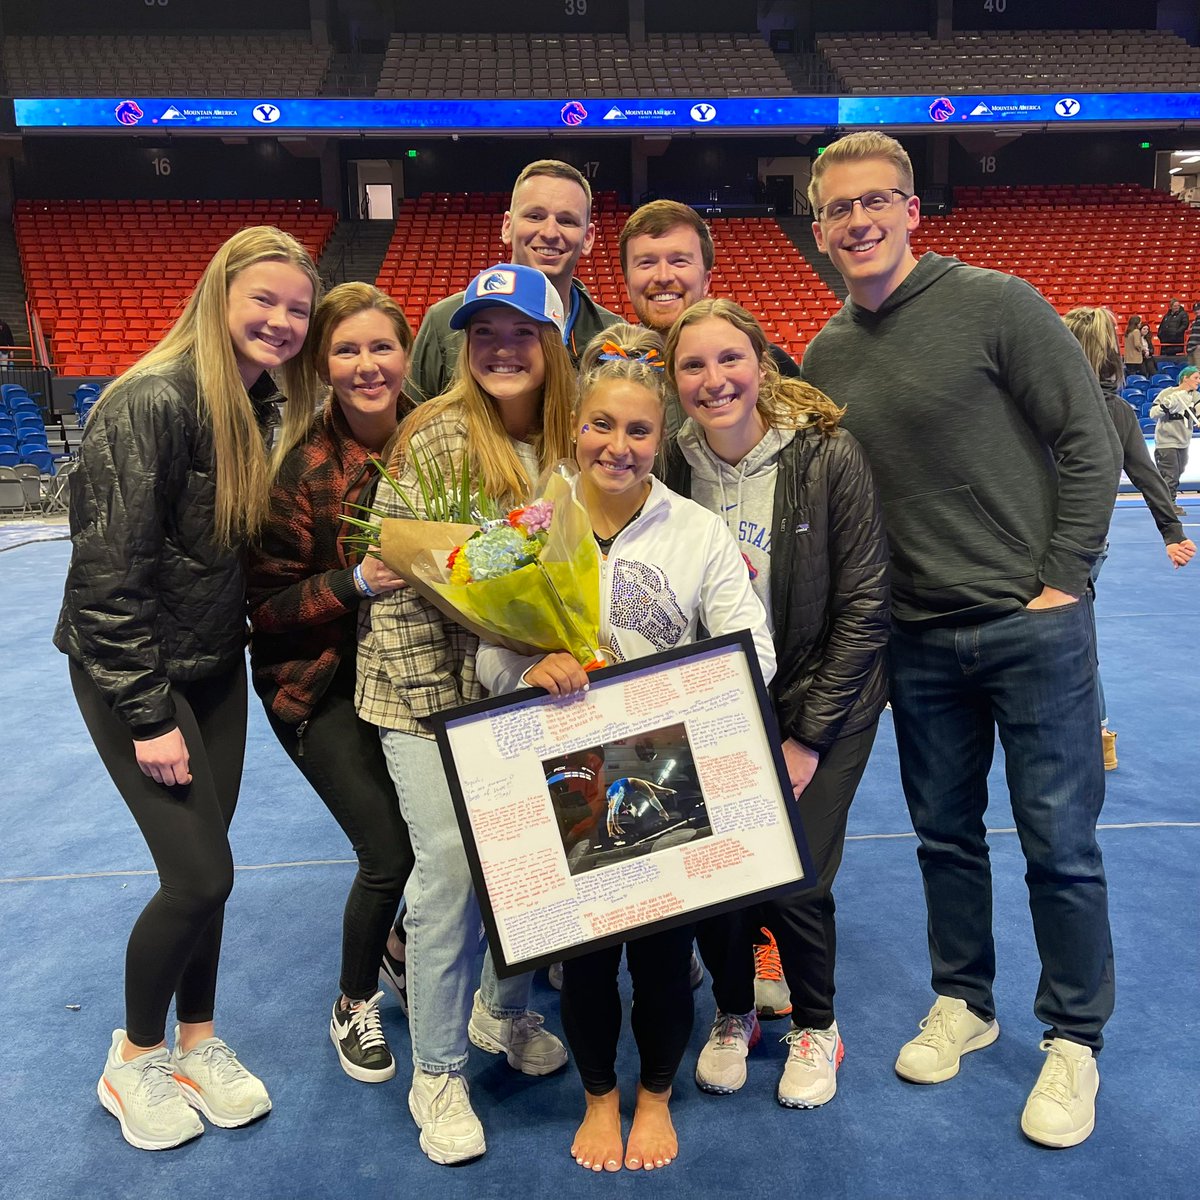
<point>611,352</point>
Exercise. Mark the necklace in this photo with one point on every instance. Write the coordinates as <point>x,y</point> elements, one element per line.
<point>605,543</point>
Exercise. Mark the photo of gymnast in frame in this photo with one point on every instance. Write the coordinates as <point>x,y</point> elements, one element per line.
<point>627,798</point>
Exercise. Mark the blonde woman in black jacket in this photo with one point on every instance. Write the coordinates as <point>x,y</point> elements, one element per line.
<point>765,452</point>
<point>171,484</point>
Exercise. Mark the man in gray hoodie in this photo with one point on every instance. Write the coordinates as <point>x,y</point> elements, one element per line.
<point>997,470</point>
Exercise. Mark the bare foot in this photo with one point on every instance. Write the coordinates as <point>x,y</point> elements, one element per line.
<point>652,1140</point>
<point>597,1144</point>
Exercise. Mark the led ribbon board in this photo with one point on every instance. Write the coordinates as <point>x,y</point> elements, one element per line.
<point>591,116</point>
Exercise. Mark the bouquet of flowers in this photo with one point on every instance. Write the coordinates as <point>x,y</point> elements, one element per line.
<point>529,581</point>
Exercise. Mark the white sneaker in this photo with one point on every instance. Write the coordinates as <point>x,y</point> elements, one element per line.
<point>1061,1109</point>
<point>441,1107</point>
<point>810,1073</point>
<point>529,1048</point>
<point>721,1067</point>
<point>144,1095</point>
<point>218,1085</point>
<point>949,1031</point>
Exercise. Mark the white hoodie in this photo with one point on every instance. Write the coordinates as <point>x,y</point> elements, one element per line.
<point>673,568</point>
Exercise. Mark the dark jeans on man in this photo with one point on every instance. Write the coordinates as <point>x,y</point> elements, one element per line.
<point>803,923</point>
<point>1032,676</point>
<point>1171,464</point>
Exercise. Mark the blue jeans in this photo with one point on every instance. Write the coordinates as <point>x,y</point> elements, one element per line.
<point>1096,566</point>
<point>441,917</point>
<point>1032,676</point>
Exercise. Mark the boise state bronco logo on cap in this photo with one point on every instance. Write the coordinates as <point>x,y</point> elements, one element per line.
<point>497,283</point>
<point>573,113</point>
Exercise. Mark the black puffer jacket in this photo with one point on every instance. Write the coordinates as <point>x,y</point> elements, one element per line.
<point>830,600</point>
<point>151,597</point>
<point>1172,329</point>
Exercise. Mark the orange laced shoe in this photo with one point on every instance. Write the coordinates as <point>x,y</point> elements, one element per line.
<point>771,995</point>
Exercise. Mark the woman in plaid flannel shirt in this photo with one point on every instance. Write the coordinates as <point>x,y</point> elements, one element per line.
<point>508,411</point>
<point>304,593</point>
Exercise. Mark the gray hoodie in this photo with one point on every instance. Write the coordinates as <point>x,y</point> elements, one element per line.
<point>986,433</point>
<point>743,496</point>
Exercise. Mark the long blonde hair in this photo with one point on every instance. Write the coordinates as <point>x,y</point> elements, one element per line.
<point>1095,329</point>
<point>344,301</point>
<point>200,339</point>
<point>494,464</point>
<point>783,402</point>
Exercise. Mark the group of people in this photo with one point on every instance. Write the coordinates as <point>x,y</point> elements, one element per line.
<point>1173,337</point>
<point>883,531</point>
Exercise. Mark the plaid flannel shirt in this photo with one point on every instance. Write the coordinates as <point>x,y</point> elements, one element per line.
<point>413,662</point>
<point>300,590</point>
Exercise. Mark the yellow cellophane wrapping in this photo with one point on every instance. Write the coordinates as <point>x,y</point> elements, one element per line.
<point>553,604</point>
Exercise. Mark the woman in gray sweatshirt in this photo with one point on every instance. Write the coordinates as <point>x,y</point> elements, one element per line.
<point>765,453</point>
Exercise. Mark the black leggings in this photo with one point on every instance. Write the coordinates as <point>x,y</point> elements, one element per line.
<point>659,966</point>
<point>176,942</point>
<point>343,760</point>
<point>803,923</point>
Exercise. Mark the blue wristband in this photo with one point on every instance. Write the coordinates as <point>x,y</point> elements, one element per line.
<point>361,583</point>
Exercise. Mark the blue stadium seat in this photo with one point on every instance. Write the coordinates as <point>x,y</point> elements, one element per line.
<point>1162,379</point>
<point>1130,380</point>
<point>40,458</point>
<point>9,458</point>
<point>1147,426</point>
<point>34,438</point>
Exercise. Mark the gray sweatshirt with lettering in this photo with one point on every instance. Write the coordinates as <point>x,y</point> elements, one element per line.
<point>986,433</point>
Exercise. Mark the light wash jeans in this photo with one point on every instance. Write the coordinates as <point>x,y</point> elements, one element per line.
<point>441,917</point>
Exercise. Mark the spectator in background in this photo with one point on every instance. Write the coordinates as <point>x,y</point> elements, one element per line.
<point>1095,329</point>
<point>1174,413</point>
<point>997,475</point>
<point>6,343</point>
<point>1148,366</point>
<point>1135,352</point>
<point>549,226</point>
<point>1172,329</point>
<point>1193,342</point>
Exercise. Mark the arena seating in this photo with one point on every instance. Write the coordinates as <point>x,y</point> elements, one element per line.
<point>1121,245</point>
<point>268,64</point>
<point>107,277</point>
<point>552,65</point>
<point>1033,61</point>
<point>442,240</point>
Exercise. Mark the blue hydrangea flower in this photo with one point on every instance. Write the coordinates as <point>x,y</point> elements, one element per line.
<point>496,552</point>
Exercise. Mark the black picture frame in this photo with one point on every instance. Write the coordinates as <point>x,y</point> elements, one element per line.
<point>463,727</point>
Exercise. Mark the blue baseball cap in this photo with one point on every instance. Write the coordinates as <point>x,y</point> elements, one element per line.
<point>524,288</point>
